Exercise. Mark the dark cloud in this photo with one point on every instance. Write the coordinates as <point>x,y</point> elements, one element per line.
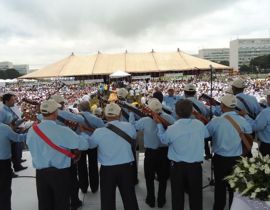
<point>120,17</point>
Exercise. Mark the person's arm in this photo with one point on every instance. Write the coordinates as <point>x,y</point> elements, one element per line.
<point>15,137</point>
<point>259,123</point>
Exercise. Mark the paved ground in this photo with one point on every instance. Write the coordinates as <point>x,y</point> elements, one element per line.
<point>24,191</point>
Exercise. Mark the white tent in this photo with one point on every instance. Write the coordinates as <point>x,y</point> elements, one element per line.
<point>119,74</point>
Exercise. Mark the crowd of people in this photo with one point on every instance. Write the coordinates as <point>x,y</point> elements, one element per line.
<point>75,126</point>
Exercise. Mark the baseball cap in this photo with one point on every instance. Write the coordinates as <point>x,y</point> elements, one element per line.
<point>228,90</point>
<point>266,92</point>
<point>49,106</point>
<point>229,100</point>
<point>112,109</point>
<point>239,83</point>
<point>58,98</point>
<point>155,105</point>
<point>190,87</point>
<point>122,93</point>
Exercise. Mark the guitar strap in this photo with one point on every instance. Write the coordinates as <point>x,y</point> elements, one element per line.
<point>51,144</point>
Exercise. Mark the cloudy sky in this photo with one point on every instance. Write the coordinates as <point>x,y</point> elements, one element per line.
<point>40,32</point>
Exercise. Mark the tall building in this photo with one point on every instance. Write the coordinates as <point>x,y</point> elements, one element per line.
<point>215,54</point>
<point>5,65</point>
<point>243,50</point>
<point>21,68</point>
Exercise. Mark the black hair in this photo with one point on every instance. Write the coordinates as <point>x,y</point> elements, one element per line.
<point>183,108</point>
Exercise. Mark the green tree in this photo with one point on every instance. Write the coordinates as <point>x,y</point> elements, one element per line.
<point>9,74</point>
<point>262,62</point>
<point>226,63</point>
<point>244,69</point>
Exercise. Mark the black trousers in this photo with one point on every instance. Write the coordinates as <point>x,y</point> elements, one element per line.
<point>53,188</point>
<point>16,154</point>
<point>264,148</point>
<point>5,184</point>
<point>156,162</point>
<point>121,176</point>
<point>90,174</point>
<point>223,166</point>
<point>74,185</point>
<point>186,175</point>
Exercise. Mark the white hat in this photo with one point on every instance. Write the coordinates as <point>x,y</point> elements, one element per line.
<point>229,100</point>
<point>266,92</point>
<point>155,105</point>
<point>122,93</point>
<point>239,83</point>
<point>112,109</point>
<point>58,98</point>
<point>98,111</point>
<point>228,90</point>
<point>190,87</point>
<point>49,106</point>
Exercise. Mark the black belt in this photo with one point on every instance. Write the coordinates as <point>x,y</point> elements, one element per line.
<point>264,142</point>
<point>5,161</point>
<point>49,169</point>
<point>184,163</point>
<point>119,165</point>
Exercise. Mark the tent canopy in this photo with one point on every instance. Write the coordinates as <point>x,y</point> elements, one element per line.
<point>119,74</point>
<point>106,64</point>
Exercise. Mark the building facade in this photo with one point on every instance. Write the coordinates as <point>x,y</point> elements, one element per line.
<point>243,50</point>
<point>215,54</point>
<point>22,68</point>
<point>5,65</point>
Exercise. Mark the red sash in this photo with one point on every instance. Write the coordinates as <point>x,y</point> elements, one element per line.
<point>51,144</point>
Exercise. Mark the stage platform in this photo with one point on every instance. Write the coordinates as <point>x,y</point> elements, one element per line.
<point>24,195</point>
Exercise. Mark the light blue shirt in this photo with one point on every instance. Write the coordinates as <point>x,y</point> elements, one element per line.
<point>149,128</point>
<point>113,149</point>
<point>6,115</point>
<point>7,135</point>
<point>185,139</point>
<point>261,125</point>
<point>251,102</point>
<point>203,109</point>
<point>43,156</point>
<point>225,138</point>
<point>94,121</point>
<point>170,101</point>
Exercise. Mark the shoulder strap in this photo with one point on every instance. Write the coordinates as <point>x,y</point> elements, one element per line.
<point>245,104</point>
<point>196,107</point>
<point>121,133</point>
<point>51,144</point>
<point>243,137</point>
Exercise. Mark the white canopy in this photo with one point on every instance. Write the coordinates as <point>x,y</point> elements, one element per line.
<point>119,74</point>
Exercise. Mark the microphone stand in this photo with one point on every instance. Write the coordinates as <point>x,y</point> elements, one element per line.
<point>211,179</point>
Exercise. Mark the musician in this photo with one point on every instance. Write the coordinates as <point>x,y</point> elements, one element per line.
<point>92,171</point>
<point>53,167</point>
<point>75,202</point>
<point>116,158</point>
<point>261,125</point>
<point>244,101</point>
<point>7,136</point>
<point>185,139</point>
<point>170,100</point>
<point>158,95</point>
<point>155,161</point>
<point>227,147</point>
<point>201,109</point>
<point>9,117</point>
<point>121,95</point>
<point>189,93</point>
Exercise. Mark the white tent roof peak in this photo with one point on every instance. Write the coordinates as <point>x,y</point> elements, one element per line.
<point>119,74</point>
